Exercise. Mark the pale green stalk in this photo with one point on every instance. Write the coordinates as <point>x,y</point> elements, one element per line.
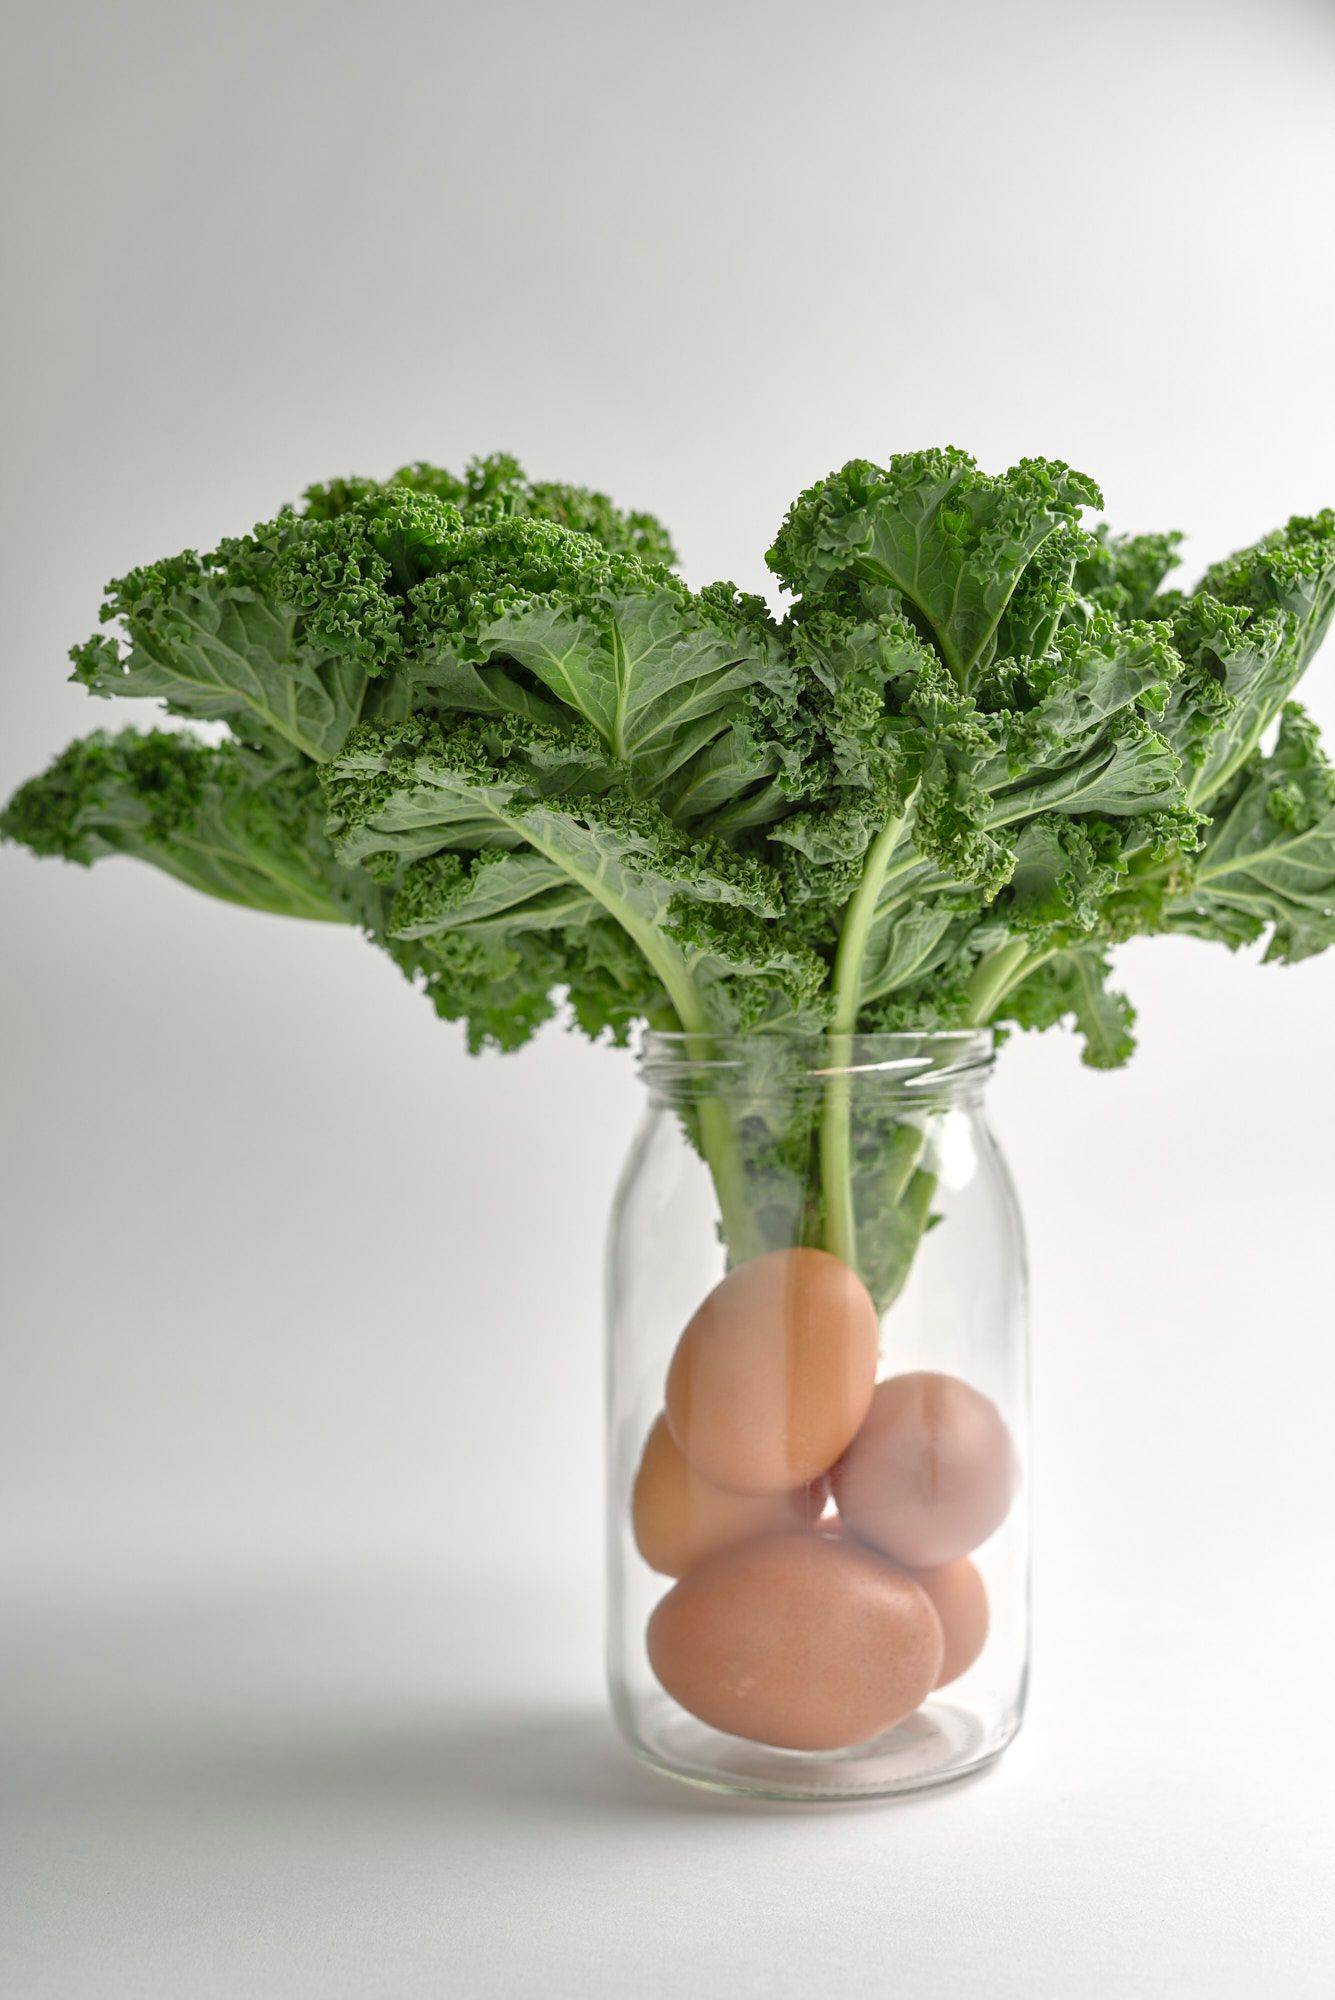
<point>993,977</point>
<point>717,1137</point>
<point>836,1165</point>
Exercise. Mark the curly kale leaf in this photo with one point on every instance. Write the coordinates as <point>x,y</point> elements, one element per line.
<point>686,691</point>
<point>497,484</point>
<point>213,816</point>
<point>1073,986</point>
<point>568,843</point>
<point>295,632</point>
<point>211,638</point>
<point>952,542</point>
<point>1246,636</point>
<point>986,823</point>
<point>1267,866</point>
<point>1123,574</point>
<point>288,634</point>
<point>1016,810</point>
<point>503,985</point>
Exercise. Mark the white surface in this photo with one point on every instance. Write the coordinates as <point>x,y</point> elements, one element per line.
<point>386,1789</point>
<point>299,1473</point>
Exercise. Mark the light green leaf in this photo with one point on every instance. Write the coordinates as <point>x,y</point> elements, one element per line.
<point>496,892</point>
<point>214,817</point>
<point>951,541</point>
<point>418,790</point>
<point>217,651</point>
<point>1247,636</point>
<point>662,677</point>
<point>1126,769</point>
<point>1073,986</point>
<point>1268,865</point>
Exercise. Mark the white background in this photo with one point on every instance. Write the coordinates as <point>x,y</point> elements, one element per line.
<point>299,1453</point>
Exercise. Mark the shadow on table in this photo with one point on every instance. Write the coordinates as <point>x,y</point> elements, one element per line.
<point>475,1765</point>
<point>556,1762</point>
<point>471,1767</point>
<point>282,1704</point>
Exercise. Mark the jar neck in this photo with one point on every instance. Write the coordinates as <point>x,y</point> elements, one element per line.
<point>950,1068</point>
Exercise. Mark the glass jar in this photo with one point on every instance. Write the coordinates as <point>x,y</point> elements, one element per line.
<point>817,1400</point>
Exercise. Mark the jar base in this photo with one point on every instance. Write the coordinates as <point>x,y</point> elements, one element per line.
<point>938,1745</point>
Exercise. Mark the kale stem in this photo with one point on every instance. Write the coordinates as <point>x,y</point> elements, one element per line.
<point>993,977</point>
<point>836,1158</point>
<point>836,1149</point>
<point>718,1139</point>
<point>908,1181</point>
<point>856,927</point>
<point>718,1136</point>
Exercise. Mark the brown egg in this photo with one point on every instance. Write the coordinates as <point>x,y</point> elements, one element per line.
<point>804,1642</point>
<point>930,1474</point>
<point>774,1372</point>
<point>960,1597</point>
<point>679,1518</point>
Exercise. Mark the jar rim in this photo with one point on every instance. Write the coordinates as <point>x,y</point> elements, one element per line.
<point>903,1059</point>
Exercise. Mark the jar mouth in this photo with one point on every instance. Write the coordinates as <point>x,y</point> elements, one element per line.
<point>777,1059</point>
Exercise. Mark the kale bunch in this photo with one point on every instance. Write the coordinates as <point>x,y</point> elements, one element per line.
<point>482,719</point>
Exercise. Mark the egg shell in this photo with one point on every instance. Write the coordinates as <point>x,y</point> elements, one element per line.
<point>960,1597</point>
<point>803,1642</point>
<point>774,1372</point>
<point>931,1473</point>
<point>680,1518</point>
